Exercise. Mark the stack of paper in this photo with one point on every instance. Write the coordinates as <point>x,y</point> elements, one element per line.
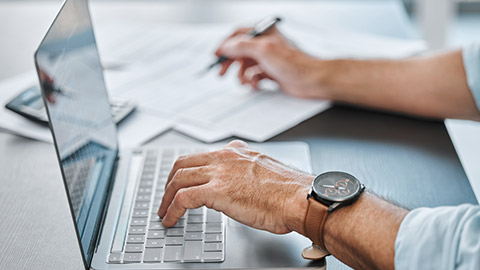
<point>160,68</point>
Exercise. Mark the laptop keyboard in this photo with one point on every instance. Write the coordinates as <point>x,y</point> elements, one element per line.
<point>199,236</point>
<point>77,175</point>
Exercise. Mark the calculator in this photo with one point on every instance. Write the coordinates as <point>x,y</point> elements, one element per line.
<point>29,104</point>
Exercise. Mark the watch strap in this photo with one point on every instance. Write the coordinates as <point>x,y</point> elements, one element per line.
<point>315,220</point>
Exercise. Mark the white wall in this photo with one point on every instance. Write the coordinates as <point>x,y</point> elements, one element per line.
<point>435,18</point>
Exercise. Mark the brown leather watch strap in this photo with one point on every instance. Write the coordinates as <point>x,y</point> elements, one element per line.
<point>315,220</point>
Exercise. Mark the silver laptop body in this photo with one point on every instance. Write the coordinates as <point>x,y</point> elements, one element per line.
<point>114,195</point>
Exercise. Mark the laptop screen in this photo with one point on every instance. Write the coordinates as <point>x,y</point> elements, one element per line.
<point>74,93</point>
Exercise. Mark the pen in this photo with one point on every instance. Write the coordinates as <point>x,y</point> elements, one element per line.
<point>259,29</point>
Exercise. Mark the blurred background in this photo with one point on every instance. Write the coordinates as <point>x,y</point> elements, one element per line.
<point>441,23</point>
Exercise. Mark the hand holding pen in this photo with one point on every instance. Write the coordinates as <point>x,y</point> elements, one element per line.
<point>271,56</point>
<point>259,29</point>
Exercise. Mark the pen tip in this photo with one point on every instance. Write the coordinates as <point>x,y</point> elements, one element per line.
<point>202,72</point>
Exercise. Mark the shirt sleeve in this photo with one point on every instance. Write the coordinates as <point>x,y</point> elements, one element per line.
<point>471,62</point>
<point>439,238</point>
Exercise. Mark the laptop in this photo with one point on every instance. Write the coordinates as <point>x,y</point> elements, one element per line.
<point>114,194</point>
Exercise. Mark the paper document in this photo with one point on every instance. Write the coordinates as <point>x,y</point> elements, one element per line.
<point>160,68</point>
<point>464,135</point>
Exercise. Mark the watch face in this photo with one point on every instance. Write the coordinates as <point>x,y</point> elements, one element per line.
<point>336,186</point>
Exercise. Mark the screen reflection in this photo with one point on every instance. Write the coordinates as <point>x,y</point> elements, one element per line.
<point>73,87</point>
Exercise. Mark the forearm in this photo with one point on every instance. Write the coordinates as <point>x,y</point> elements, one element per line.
<point>431,86</point>
<point>363,234</point>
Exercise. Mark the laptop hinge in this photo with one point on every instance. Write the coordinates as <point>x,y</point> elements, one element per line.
<point>107,202</point>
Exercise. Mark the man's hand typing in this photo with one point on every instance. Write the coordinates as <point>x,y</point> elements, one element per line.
<point>247,186</point>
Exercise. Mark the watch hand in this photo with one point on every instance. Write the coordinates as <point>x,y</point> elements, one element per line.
<point>329,186</point>
<point>341,188</point>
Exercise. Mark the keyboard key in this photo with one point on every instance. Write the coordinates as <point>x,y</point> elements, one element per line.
<point>194,228</point>
<point>212,256</point>
<point>153,255</point>
<point>174,232</point>
<point>179,224</point>
<point>196,211</point>
<point>156,226</point>
<point>193,251</point>
<point>156,206</point>
<point>140,214</point>
<point>195,219</point>
<point>213,216</point>
<point>142,206</point>
<point>147,175</point>
<point>145,190</point>
<point>172,254</point>
<point>136,239</point>
<point>132,257</point>
<point>156,234</point>
<point>143,198</point>
<point>139,221</point>
<point>137,230</point>
<point>193,236</point>
<point>213,238</point>
<point>213,247</point>
<point>154,243</point>
<point>115,258</point>
<point>213,228</point>
<point>174,241</point>
<point>165,167</point>
<point>134,248</point>
<point>155,217</point>
<point>146,183</point>
<point>149,169</point>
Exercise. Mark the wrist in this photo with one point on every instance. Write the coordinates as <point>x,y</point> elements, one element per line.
<point>323,79</point>
<point>297,209</point>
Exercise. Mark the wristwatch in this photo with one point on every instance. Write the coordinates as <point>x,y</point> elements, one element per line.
<point>330,191</point>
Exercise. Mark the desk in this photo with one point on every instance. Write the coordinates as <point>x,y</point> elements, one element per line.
<point>392,154</point>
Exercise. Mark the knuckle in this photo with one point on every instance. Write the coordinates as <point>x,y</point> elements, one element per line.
<point>242,44</point>
<point>267,45</point>
<point>174,182</point>
<point>180,198</point>
<point>178,173</point>
<point>226,152</point>
<point>173,185</point>
<point>182,158</point>
<point>251,153</point>
<point>179,161</point>
<point>215,185</point>
<point>238,143</point>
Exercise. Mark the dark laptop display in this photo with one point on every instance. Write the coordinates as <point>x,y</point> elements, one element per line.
<point>74,92</point>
